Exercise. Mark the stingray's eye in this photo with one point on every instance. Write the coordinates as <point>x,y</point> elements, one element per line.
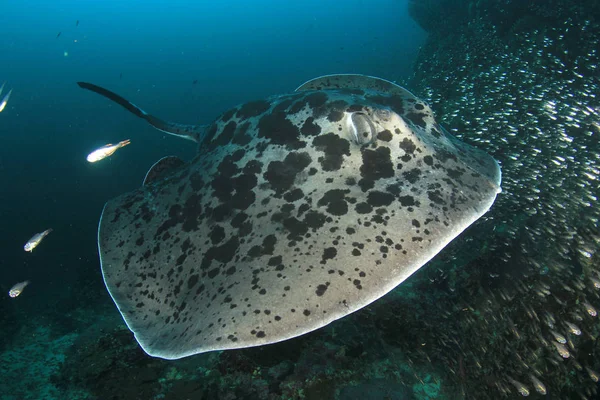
<point>383,114</point>
<point>362,128</point>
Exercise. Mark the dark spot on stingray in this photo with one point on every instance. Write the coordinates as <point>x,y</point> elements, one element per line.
<point>206,142</point>
<point>445,155</point>
<point>118,213</point>
<point>181,259</point>
<point>436,197</point>
<point>350,231</point>
<point>287,208</point>
<point>316,100</point>
<point>139,241</point>
<point>244,196</point>
<point>408,146</point>
<point>306,312</point>
<point>283,105</point>
<point>293,195</point>
<point>336,110</point>
<point>413,175</point>
<point>356,283</point>
<point>186,245</point>
<point>213,272</point>
<point>253,109</point>
<point>273,261</point>
<point>302,209</point>
<point>281,175</point>
<point>239,219</point>
<point>238,155</point>
<point>454,173</point>
<point>328,254</point>
<point>217,234</point>
<point>262,291</point>
<point>314,219</point>
<point>297,107</point>
<point>200,289</point>
<point>227,168</point>
<point>228,115</point>
<point>428,160</point>
<point>221,212</point>
<point>223,253</point>
<point>192,212</point>
<point>335,116</point>
<point>230,271</point>
<point>253,167</point>
<point>309,128</point>
<point>267,248</point>
<point>321,289</point>
<point>395,102</point>
<point>145,213</point>
<point>376,164</point>
<point>196,181</point>
<point>260,334</point>
<point>417,118</point>
<point>188,215</point>
<point>226,134</point>
<point>419,106</point>
<point>335,201</point>
<point>334,148</point>
<point>378,199</point>
<point>279,130</point>
<point>363,208</point>
<point>295,227</point>
<point>241,138</point>
<point>407,201</point>
<point>393,189</point>
<point>385,135</point>
<point>193,280</point>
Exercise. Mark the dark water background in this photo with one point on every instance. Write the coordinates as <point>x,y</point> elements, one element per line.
<point>151,52</point>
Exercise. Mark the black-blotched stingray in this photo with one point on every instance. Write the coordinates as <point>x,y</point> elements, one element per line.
<point>298,210</point>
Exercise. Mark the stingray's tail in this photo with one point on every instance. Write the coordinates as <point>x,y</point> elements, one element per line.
<point>191,132</point>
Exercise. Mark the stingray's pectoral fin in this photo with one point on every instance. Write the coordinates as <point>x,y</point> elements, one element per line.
<point>190,132</point>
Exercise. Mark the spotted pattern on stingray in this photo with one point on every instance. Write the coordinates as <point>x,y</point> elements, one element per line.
<point>287,221</point>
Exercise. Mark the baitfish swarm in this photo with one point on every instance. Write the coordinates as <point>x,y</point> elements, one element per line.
<point>522,81</point>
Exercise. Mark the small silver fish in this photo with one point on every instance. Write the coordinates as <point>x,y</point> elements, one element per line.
<point>593,374</point>
<point>522,389</point>
<point>558,337</point>
<point>35,240</point>
<point>573,328</point>
<point>562,350</point>
<point>537,384</point>
<point>4,101</point>
<point>590,309</point>
<point>106,151</point>
<point>17,289</point>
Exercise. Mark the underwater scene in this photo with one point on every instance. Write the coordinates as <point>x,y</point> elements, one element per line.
<point>385,199</point>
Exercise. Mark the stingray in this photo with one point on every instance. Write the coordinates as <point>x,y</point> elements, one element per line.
<point>297,211</point>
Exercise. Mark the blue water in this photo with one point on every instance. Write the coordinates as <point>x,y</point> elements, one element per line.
<point>151,52</point>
